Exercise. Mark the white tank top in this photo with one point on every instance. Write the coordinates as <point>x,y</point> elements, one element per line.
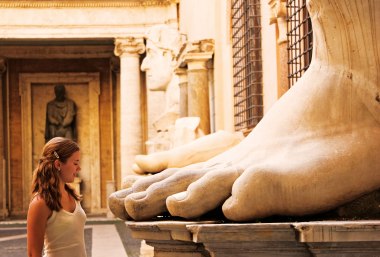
<point>64,235</point>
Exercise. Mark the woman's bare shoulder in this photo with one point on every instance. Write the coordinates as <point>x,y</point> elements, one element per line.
<point>38,205</point>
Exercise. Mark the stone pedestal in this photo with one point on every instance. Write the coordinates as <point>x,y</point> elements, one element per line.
<point>129,50</point>
<point>203,239</point>
<point>243,240</point>
<point>341,239</point>
<point>169,238</point>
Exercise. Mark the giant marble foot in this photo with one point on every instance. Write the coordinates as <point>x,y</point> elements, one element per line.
<point>316,149</point>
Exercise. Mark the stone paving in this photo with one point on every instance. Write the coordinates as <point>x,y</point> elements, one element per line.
<point>103,237</point>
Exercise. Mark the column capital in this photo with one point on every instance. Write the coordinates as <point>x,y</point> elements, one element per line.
<point>278,16</point>
<point>129,46</point>
<point>196,54</point>
<point>201,46</point>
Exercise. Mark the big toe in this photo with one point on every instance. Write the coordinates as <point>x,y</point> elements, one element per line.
<point>116,203</point>
<point>203,195</point>
<point>143,206</point>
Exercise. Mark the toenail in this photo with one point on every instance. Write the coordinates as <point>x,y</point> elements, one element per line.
<point>180,196</point>
<point>137,196</point>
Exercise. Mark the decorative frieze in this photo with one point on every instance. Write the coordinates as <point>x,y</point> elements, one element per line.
<point>85,3</point>
<point>65,52</point>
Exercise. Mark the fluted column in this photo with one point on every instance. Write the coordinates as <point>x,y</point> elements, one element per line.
<point>197,76</point>
<point>129,50</point>
<point>3,177</point>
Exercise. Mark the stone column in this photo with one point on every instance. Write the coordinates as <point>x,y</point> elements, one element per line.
<point>3,177</point>
<point>129,50</point>
<point>198,91</point>
<point>278,16</point>
<point>182,74</point>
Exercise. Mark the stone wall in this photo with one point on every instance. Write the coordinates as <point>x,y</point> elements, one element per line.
<point>90,122</point>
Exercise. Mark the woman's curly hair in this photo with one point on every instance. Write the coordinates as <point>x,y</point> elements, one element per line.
<point>46,176</point>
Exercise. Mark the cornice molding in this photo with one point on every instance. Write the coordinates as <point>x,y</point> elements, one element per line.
<point>91,51</point>
<point>84,4</point>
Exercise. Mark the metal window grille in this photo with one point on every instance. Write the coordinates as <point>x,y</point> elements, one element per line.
<point>247,64</point>
<point>300,39</point>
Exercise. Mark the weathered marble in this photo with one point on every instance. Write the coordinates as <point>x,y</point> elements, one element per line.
<point>162,46</point>
<point>340,238</point>
<point>169,238</point>
<point>288,239</point>
<point>294,161</point>
<point>243,240</point>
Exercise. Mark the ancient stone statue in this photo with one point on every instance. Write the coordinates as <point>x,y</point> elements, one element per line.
<point>316,149</point>
<point>162,46</point>
<point>61,116</point>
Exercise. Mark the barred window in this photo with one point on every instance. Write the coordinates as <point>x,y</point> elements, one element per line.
<point>300,39</point>
<point>247,64</point>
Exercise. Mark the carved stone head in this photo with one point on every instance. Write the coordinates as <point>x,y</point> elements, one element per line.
<point>60,92</point>
<point>162,47</point>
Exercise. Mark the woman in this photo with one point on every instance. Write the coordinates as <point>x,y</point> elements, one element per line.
<point>55,218</point>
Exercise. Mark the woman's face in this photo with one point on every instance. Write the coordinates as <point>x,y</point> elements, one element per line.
<point>71,168</point>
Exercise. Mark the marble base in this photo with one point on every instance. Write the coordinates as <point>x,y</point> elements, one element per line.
<point>304,239</point>
<point>169,238</point>
<point>341,238</point>
<point>238,240</point>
